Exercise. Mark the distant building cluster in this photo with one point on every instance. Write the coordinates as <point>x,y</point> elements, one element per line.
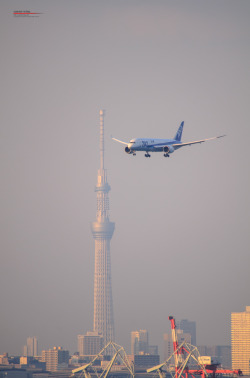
<point>219,354</point>
<point>143,354</point>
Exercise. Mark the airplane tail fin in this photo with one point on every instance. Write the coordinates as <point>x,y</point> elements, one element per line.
<point>179,132</point>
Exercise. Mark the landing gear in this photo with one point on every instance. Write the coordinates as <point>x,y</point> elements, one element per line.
<point>166,155</point>
<point>147,155</point>
<point>134,154</point>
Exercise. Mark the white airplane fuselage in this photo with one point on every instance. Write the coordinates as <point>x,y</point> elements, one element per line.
<point>148,144</point>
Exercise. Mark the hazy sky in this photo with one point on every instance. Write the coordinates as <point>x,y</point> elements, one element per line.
<point>181,243</point>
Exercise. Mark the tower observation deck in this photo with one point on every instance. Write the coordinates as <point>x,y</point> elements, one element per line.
<point>102,230</point>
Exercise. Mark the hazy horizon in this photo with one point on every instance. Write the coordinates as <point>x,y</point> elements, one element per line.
<point>181,240</point>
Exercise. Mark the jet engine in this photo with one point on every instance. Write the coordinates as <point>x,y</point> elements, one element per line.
<point>128,150</point>
<point>168,149</point>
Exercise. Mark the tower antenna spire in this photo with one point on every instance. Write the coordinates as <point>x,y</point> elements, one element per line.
<point>102,113</point>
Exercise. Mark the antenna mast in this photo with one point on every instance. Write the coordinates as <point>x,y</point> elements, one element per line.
<point>102,138</point>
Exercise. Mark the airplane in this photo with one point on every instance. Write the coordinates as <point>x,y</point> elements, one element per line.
<point>168,146</point>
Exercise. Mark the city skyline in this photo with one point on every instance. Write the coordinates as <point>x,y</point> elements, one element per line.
<point>235,356</point>
<point>181,223</point>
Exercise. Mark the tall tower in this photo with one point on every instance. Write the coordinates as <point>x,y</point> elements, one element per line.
<point>102,230</point>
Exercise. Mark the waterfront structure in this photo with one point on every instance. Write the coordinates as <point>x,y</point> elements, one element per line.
<point>102,230</point>
<point>139,342</point>
<point>31,347</point>
<point>240,340</point>
<point>90,344</point>
<point>55,359</point>
<point>188,326</point>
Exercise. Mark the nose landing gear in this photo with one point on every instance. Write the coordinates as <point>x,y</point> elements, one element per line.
<point>147,155</point>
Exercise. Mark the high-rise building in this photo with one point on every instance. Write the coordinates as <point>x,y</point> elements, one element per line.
<point>102,230</point>
<point>181,336</point>
<point>31,347</point>
<point>90,344</point>
<point>188,326</point>
<point>56,359</point>
<point>139,341</point>
<point>167,346</point>
<point>240,340</point>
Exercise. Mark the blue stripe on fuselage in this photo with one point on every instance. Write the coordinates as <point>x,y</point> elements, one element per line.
<point>144,145</point>
<point>159,146</point>
<point>162,144</point>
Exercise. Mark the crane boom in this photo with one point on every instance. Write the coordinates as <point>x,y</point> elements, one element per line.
<point>177,351</point>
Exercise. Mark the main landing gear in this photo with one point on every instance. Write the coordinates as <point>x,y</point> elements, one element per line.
<point>134,154</point>
<point>166,155</point>
<point>147,155</point>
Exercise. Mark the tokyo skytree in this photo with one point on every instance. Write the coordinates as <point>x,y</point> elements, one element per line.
<point>102,230</point>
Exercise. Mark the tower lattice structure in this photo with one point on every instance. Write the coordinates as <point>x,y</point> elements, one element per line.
<point>102,230</point>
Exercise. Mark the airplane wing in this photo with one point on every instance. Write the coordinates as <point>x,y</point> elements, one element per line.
<point>117,140</point>
<point>178,145</point>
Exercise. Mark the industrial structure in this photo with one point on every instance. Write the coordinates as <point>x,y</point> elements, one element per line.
<point>188,362</point>
<point>184,362</point>
<point>118,363</point>
<point>240,340</point>
<point>102,230</point>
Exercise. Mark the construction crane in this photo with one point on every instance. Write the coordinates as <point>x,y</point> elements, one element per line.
<point>184,354</point>
<point>90,368</point>
<point>178,352</point>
